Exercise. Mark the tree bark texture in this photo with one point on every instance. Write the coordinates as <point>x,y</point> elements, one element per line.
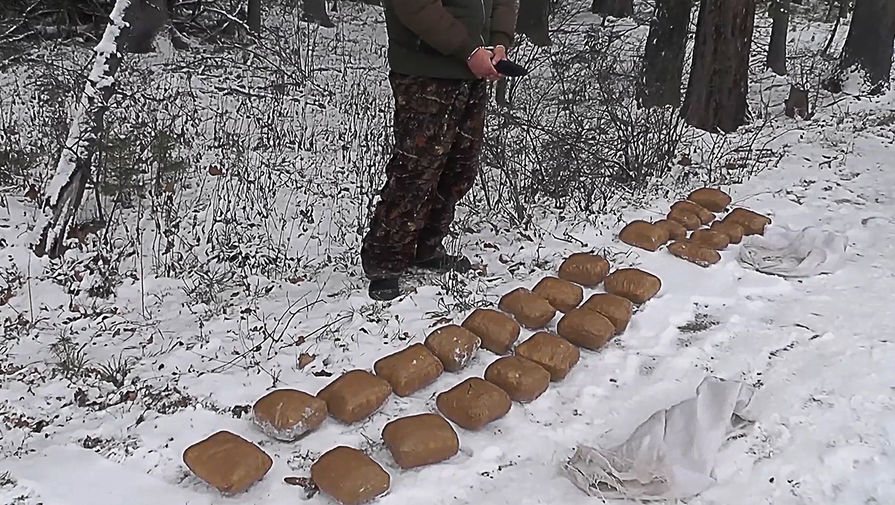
<point>779,12</point>
<point>870,43</point>
<point>663,61</point>
<point>719,79</point>
<point>533,21</point>
<point>254,16</point>
<point>614,8</point>
<point>66,189</point>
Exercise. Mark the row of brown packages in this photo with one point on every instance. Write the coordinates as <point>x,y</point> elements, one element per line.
<point>472,404</point>
<point>696,216</point>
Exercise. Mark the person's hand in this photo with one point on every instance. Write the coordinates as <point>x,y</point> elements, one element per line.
<point>481,66</point>
<point>499,53</point>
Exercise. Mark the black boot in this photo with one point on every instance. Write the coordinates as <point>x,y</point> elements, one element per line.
<point>441,261</point>
<point>384,290</point>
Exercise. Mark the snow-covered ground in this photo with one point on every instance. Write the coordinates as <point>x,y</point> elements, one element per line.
<point>76,428</point>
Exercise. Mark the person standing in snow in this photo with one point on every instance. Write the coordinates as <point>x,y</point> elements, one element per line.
<point>442,55</point>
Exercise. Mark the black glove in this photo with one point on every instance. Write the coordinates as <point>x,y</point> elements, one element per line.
<point>510,69</point>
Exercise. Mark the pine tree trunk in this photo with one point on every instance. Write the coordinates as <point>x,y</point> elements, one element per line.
<point>66,189</point>
<point>869,45</point>
<point>532,21</point>
<point>663,60</point>
<point>719,79</point>
<point>614,8</point>
<point>779,11</point>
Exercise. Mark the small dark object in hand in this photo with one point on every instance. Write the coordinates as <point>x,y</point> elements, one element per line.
<point>510,69</point>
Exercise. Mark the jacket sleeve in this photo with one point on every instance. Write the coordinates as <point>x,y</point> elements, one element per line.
<point>431,22</point>
<point>503,22</point>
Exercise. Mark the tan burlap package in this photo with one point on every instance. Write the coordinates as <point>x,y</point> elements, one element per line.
<point>349,476</point>
<point>644,235</point>
<point>733,231</point>
<point>753,223</point>
<point>695,253</point>
<point>287,414</point>
<point>473,403</point>
<point>689,220</point>
<point>711,239</point>
<point>557,355</point>
<point>675,230</point>
<point>705,216</point>
<point>712,199</point>
<point>420,440</point>
<point>454,346</point>
<point>562,294</point>
<point>409,370</point>
<point>522,379</point>
<point>616,309</point>
<point>589,270</point>
<point>633,284</point>
<point>586,328</point>
<point>497,330</point>
<point>355,395</point>
<point>227,462</point>
<point>529,309</point>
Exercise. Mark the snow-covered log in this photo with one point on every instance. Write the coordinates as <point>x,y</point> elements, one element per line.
<point>66,188</point>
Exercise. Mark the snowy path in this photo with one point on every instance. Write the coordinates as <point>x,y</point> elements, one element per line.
<point>820,352</point>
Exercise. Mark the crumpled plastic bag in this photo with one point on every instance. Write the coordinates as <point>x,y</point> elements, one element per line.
<point>791,253</point>
<point>672,454</point>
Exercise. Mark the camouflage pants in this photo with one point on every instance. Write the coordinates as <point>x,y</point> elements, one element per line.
<point>439,125</point>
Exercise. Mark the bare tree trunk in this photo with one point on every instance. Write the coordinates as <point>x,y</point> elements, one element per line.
<point>532,21</point>
<point>663,60</point>
<point>314,11</point>
<point>844,7</point>
<point>254,16</point>
<point>869,46</point>
<point>719,79</point>
<point>66,189</point>
<point>145,18</point>
<point>779,11</point>
<point>614,8</point>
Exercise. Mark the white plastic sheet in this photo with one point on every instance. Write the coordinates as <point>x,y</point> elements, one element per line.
<point>672,454</point>
<point>791,253</point>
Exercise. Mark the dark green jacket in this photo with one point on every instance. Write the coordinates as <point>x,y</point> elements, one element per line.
<point>433,38</point>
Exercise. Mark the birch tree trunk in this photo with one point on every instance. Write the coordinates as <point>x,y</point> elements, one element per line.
<point>66,189</point>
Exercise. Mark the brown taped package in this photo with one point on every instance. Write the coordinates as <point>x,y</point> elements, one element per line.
<point>522,379</point>
<point>644,235</point>
<point>633,284</point>
<point>675,230</point>
<point>420,440</point>
<point>557,355</point>
<point>616,309</point>
<point>589,270</point>
<point>497,330</point>
<point>586,328</point>
<point>529,309</point>
<point>753,223</point>
<point>689,220</point>
<point>711,239</point>
<point>454,346</point>
<point>409,370</point>
<point>712,199</point>
<point>287,414</point>
<point>562,294</point>
<point>349,476</point>
<point>705,216</point>
<point>227,462</point>
<point>355,395</point>
<point>474,403</point>
<point>695,253</point>
<point>733,231</point>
